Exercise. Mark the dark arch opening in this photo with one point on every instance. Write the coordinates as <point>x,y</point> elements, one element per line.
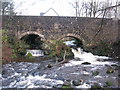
<point>78,42</point>
<point>33,40</point>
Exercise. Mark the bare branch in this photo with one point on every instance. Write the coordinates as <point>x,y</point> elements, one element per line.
<point>109,7</point>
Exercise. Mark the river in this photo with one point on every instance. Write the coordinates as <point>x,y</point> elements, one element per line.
<point>85,70</point>
<point>102,72</point>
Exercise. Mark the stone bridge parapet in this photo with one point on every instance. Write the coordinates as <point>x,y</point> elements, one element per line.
<point>49,27</point>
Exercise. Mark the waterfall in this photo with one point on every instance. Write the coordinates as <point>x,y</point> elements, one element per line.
<point>82,55</point>
<point>35,52</point>
<point>87,57</point>
<point>70,43</point>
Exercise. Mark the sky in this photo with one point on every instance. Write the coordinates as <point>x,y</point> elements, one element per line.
<point>35,7</point>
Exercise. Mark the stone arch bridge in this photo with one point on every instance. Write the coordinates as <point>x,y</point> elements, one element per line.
<point>88,30</point>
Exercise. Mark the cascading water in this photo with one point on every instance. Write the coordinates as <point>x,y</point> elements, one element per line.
<point>81,56</point>
<point>36,75</point>
<point>87,57</point>
<point>35,52</point>
<point>70,43</point>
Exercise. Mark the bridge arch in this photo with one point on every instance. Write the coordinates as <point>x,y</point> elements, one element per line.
<point>74,36</point>
<point>33,39</point>
<point>30,32</point>
<point>80,41</point>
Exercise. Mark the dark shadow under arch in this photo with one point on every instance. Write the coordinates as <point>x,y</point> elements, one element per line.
<point>33,40</point>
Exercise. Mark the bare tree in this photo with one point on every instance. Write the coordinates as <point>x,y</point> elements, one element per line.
<point>7,7</point>
<point>94,8</point>
<point>104,15</point>
<point>87,9</point>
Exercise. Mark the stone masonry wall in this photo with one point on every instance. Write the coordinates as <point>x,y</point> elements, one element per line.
<point>57,27</point>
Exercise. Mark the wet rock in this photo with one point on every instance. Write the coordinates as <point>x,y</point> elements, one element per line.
<point>49,66</point>
<point>77,82</point>
<point>38,82</point>
<point>95,86</point>
<point>38,73</point>
<point>7,82</point>
<point>110,70</point>
<point>77,59</point>
<point>114,65</point>
<point>59,78</point>
<point>32,67</point>
<point>108,65</point>
<point>67,83</point>
<point>17,78</point>
<point>58,86</point>
<point>86,63</point>
<point>119,75</point>
<point>4,76</point>
<point>108,84</point>
<point>95,73</point>
<point>67,88</point>
<point>40,67</point>
<point>117,68</point>
<point>6,73</point>
<point>33,72</point>
<point>45,83</point>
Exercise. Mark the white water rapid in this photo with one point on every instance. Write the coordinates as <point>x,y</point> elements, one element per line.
<point>70,43</point>
<point>87,57</point>
<point>35,52</point>
<point>36,75</point>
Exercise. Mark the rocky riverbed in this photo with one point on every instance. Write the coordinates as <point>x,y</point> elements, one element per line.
<point>74,74</point>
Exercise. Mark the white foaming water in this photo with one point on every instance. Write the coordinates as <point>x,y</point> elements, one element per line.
<point>42,81</point>
<point>34,82</point>
<point>70,43</point>
<point>35,52</point>
<point>86,57</point>
<point>93,63</point>
<point>84,86</point>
